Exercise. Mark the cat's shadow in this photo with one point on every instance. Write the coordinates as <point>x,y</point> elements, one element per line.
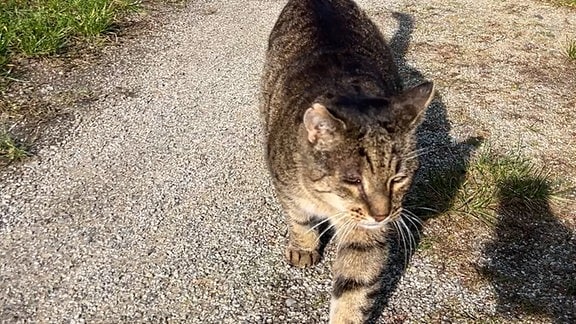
<point>531,261</point>
<point>438,152</point>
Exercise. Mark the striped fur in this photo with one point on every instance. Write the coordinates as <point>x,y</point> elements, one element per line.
<point>339,133</point>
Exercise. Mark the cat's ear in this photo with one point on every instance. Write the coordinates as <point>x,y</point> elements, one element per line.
<point>409,107</point>
<point>322,128</point>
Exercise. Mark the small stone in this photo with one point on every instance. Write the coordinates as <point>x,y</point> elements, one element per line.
<point>290,302</point>
<point>47,89</point>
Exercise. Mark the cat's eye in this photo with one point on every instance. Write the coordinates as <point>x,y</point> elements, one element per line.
<point>399,178</point>
<point>352,180</point>
<point>399,168</point>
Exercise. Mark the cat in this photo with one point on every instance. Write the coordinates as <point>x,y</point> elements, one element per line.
<point>340,142</point>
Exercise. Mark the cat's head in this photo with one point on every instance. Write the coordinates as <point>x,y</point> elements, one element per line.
<point>359,153</point>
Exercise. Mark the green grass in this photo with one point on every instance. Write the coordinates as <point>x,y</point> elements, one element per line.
<point>490,180</point>
<point>571,49</point>
<point>44,27</point>
<point>425,244</point>
<point>10,150</point>
<point>566,3</point>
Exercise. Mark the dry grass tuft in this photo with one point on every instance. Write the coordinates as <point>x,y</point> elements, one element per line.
<point>571,49</point>
<point>10,149</point>
<point>488,180</point>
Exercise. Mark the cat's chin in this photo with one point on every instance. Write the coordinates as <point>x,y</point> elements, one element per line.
<point>374,226</point>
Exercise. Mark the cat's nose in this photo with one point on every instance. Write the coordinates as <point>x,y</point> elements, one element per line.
<point>379,218</point>
<point>379,208</point>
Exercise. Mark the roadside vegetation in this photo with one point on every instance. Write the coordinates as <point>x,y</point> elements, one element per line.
<point>571,49</point>
<point>44,27</point>
<point>571,46</point>
<point>33,29</point>
<point>571,43</point>
<point>477,190</point>
<point>565,3</point>
<point>10,150</point>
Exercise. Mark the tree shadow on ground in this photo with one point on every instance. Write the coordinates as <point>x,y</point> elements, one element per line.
<point>439,154</point>
<point>532,260</point>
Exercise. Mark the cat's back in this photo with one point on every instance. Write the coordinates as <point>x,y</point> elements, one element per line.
<point>321,21</point>
<point>308,26</point>
<point>322,39</point>
<point>316,47</point>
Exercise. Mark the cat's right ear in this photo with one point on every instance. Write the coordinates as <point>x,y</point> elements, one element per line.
<point>409,107</point>
<point>322,128</point>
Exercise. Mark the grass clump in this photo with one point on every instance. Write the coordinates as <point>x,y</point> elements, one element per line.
<point>566,3</point>
<point>571,50</point>
<point>479,188</point>
<point>43,27</point>
<point>10,150</point>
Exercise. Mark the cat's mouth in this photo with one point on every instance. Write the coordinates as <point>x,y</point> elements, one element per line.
<point>372,225</point>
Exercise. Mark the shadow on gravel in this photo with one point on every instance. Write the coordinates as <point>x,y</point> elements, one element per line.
<point>439,155</point>
<point>532,260</point>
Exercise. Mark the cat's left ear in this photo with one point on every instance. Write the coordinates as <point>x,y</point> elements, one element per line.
<point>323,129</point>
<point>409,107</point>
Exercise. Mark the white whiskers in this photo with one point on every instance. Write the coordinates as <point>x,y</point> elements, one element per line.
<point>337,216</point>
<point>403,240</point>
<point>405,233</point>
<point>344,231</point>
<point>412,218</point>
<point>417,153</point>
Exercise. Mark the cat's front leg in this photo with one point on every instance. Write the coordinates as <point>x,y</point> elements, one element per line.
<point>304,240</point>
<point>356,273</point>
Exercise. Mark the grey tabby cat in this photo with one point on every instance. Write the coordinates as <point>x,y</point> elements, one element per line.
<point>340,141</point>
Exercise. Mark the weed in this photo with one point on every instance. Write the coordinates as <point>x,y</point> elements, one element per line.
<point>571,49</point>
<point>3,48</point>
<point>42,27</point>
<point>425,244</point>
<point>10,150</point>
<point>490,179</point>
<point>565,3</point>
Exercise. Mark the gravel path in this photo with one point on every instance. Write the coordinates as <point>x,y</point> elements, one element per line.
<point>157,206</point>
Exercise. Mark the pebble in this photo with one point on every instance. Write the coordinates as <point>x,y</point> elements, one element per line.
<point>290,302</point>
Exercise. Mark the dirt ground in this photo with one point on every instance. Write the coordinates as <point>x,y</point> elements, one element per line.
<point>134,149</point>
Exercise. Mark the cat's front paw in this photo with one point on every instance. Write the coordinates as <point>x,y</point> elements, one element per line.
<point>301,258</point>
